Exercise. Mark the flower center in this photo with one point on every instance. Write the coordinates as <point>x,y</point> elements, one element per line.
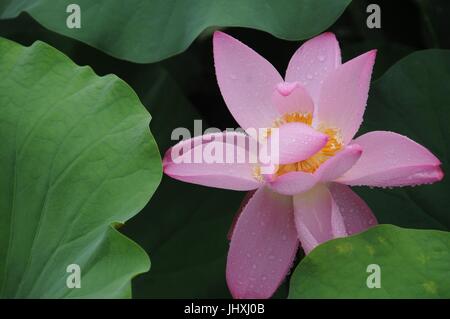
<point>311,164</point>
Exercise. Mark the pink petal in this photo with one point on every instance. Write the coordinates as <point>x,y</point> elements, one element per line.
<point>291,97</point>
<point>343,96</point>
<point>339,163</point>
<point>323,214</point>
<point>293,183</point>
<point>293,142</point>
<point>263,246</point>
<point>246,81</point>
<point>391,159</point>
<point>180,162</point>
<point>313,62</point>
<point>357,216</point>
<point>313,211</point>
<point>244,203</point>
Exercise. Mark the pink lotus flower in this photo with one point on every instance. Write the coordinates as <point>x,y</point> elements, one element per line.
<point>318,108</point>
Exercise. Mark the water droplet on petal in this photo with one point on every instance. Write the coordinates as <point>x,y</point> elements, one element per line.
<point>321,58</point>
<point>309,76</point>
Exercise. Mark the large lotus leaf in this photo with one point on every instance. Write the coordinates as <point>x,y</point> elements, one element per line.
<point>151,30</point>
<point>408,263</point>
<point>76,157</point>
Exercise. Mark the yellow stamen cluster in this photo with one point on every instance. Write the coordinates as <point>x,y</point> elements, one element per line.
<point>294,117</point>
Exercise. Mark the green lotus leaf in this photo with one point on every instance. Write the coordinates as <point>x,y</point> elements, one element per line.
<point>383,262</point>
<point>148,31</point>
<point>77,160</point>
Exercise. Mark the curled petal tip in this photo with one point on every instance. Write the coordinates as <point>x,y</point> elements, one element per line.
<point>430,175</point>
<point>372,54</point>
<point>356,148</point>
<point>219,36</point>
<point>286,88</point>
<point>218,33</point>
<point>439,174</point>
<point>328,34</point>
